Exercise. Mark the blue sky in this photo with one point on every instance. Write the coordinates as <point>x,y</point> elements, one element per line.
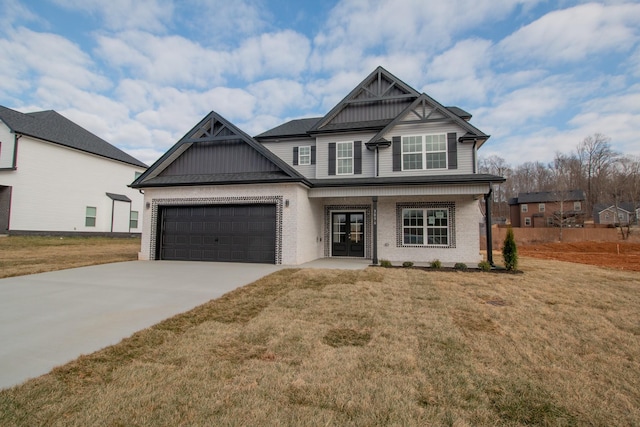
<point>539,76</point>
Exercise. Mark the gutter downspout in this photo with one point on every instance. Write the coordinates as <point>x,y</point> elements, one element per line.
<point>487,207</point>
<point>113,210</point>
<point>374,259</point>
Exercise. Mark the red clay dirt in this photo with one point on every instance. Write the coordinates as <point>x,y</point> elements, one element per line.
<point>617,255</point>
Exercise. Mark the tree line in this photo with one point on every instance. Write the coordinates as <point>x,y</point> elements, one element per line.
<point>606,176</point>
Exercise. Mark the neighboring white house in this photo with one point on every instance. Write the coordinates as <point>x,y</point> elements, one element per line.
<point>388,173</point>
<point>625,213</point>
<point>56,176</point>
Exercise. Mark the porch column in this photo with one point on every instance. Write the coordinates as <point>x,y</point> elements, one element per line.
<point>374,243</point>
<point>487,208</point>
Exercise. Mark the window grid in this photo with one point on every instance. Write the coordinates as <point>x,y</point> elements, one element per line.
<point>525,208</point>
<point>133,219</point>
<point>344,158</point>
<point>412,152</point>
<point>440,233</point>
<point>432,154</point>
<point>304,155</point>
<point>541,207</point>
<point>436,151</point>
<point>90,216</point>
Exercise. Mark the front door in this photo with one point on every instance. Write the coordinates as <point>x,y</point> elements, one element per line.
<point>347,234</point>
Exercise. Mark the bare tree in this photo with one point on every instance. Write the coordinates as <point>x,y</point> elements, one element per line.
<point>562,179</point>
<point>596,157</point>
<point>625,186</point>
<point>497,166</point>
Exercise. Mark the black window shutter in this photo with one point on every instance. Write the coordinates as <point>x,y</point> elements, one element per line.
<point>397,153</point>
<point>313,154</point>
<point>332,158</point>
<point>452,150</point>
<point>357,157</point>
<point>295,156</point>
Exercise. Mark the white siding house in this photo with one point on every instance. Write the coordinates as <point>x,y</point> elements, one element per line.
<point>56,177</point>
<point>388,173</point>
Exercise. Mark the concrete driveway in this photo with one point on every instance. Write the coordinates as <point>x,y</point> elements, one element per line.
<point>49,319</point>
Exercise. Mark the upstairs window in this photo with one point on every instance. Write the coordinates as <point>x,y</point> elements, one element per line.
<point>90,216</point>
<point>304,155</point>
<point>577,206</point>
<point>424,152</point>
<point>541,207</point>
<point>344,158</point>
<point>411,152</point>
<point>524,208</point>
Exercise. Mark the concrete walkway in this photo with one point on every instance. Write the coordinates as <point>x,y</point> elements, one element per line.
<point>49,319</point>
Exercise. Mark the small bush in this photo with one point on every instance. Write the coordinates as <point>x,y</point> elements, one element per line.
<point>510,251</point>
<point>484,266</point>
<point>435,264</point>
<point>460,266</point>
<point>407,264</point>
<point>385,263</point>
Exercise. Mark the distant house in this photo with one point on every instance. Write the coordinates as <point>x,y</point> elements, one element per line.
<point>57,177</point>
<point>547,209</point>
<point>388,173</point>
<point>608,214</point>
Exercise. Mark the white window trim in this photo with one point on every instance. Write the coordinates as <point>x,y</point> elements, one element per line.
<point>541,207</point>
<point>527,219</point>
<point>338,158</point>
<point>425,227</point>
<point>137,219</point>
<point>424,152</point>
<point>524,207</point>
<point>578,205</point>
<point>87,216</point>
<point>307,156</point>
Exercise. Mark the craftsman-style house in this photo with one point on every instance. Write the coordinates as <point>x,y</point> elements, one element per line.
<point>388,173</point>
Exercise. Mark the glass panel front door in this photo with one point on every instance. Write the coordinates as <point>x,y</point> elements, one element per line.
<point>347,234</point>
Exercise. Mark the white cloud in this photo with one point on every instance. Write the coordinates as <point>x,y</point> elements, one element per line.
<point>275,96</point>
<point>575,33</point>
<point>151,15</point>
<point>33,54</point>
<point>462,73</point>
<point>13,11</point>
<point>164,60</point>
<point>357,28</point>
<point>283,53</point>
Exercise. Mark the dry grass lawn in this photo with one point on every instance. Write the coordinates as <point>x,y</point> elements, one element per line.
<point>20,255</point>
<point>558,346</point>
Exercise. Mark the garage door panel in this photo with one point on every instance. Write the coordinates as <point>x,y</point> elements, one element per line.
<point>238,233</point>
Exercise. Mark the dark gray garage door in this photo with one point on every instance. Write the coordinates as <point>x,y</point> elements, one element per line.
<point>231,233</point>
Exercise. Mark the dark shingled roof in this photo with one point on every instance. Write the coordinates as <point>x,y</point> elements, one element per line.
<point>52,127</point>
<point>546,197</point>
<point>298,127</point>
<point>459,112</point>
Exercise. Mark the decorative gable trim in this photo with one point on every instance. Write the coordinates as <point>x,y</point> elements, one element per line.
<point>214,130</point>
<point>422,111</point>
<point>380,88</point>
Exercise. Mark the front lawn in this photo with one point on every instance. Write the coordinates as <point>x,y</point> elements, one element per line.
<point>20,255</point>
<point>557,345</point>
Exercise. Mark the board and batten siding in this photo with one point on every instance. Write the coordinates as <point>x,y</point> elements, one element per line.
<point>7,147</point>
<point>322,154</point>
<point>284,150</point>
<point>465,150</point>
<point>53,185</point>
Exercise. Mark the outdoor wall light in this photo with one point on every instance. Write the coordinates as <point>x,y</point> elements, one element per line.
<point>286,203</point>
<point>148,205</point>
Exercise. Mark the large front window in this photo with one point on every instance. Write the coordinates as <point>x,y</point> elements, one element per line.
<point>425,227</point>
<point>424,152</point>
<point>344,158</point>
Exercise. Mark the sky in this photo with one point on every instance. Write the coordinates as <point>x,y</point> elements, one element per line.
<point>538,76</point>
